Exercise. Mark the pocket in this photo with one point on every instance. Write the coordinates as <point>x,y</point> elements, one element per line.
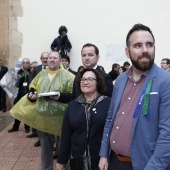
<point>154,97</point>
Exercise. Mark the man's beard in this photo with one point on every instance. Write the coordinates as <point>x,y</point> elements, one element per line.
<point>142,66</point>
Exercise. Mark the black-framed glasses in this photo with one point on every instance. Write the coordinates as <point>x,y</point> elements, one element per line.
<point>89,79</point>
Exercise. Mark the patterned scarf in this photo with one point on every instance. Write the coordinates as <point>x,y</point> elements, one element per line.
<point>89,105</point>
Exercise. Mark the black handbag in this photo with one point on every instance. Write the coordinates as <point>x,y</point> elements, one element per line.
<point>82,162</point>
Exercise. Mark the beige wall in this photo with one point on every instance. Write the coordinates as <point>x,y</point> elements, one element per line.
<point>4,31</point>
<point>29,27</point>
<point>15,36</point>
<point>102,22</point>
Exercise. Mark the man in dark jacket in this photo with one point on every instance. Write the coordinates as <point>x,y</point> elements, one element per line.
<point>23,89</point>
<point>90,57</point>
<point>61,43</point>
<point>114,72</point>
<point>3,70</point>
<point>66,63</point>
<point>43,58</point>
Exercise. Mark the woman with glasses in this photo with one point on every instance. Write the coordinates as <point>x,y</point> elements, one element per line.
<point>91,106</point>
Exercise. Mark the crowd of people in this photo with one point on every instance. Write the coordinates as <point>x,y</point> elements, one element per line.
<point>119,120</point>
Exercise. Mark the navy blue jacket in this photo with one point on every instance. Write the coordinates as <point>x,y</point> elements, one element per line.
<point>74,131</point>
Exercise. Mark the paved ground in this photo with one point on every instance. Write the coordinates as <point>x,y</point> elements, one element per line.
<point>16,151</point>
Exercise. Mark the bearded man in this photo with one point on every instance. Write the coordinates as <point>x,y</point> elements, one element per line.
<point>137,129</point>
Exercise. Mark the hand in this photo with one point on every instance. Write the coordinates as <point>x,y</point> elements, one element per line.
<point>59,166</point>
<point>32,96</point>
<point>103,163</point>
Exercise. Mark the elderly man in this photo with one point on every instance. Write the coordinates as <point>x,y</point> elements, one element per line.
<point>137,128</point>
<point>45,113</point>
<point>23,88</point>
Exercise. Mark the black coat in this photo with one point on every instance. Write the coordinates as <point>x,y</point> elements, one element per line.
<point>74,131</point>
<point>72,71</point>
<point>3,71</point>
<point>36,70</point>
<point>22,89</point>
<point>61,43</point>
<point>113,74</point>
<point>2,92</point>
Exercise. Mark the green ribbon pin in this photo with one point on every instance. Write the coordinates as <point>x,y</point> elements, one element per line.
<point>146,98</point>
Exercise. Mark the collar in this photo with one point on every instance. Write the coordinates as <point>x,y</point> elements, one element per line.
<point>95,67</point>
<point>68,68</point>
<point>53,72</point>
<point>129,73</point>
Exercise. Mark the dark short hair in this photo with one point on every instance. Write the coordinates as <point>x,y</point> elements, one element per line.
<point>101,86</point>
<point>80,67</point>
<point>123,68</point>
<point>114,66</point>
<point>61,29</point>
<point>66,57</point>
<point>138,27</point>
<point>126,63</point>
<point>167,60</point>
<point>91,45</point>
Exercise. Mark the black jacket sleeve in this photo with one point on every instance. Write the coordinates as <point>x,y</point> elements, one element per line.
<point>65,97</point>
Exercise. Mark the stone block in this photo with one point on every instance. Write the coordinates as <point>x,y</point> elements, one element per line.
<point>15,8</point>
<point>13,24</point>
<point>4,54</point>
<point>14,54</point>
<point>3,27</point>
<point>15,37</point>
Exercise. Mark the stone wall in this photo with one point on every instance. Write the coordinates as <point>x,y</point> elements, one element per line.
<point>4,46</point>
<point>11,38</point>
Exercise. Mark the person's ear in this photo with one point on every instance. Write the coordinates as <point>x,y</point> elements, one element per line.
<point>127,52</point>
<point>98,58</point>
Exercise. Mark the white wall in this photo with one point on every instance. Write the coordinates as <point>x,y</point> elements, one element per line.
<point>102,22</point>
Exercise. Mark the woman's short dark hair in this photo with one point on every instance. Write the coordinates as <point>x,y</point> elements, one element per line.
<point>80,68</point>
<point>101,86</point>
<point>123,68</point>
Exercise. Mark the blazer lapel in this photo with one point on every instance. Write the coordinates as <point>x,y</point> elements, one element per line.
<point>151,76</point>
